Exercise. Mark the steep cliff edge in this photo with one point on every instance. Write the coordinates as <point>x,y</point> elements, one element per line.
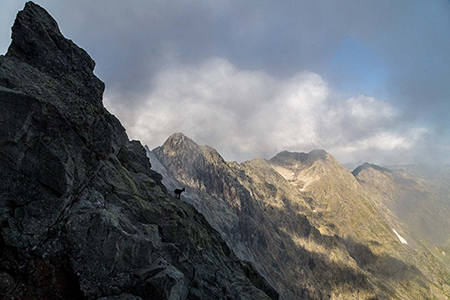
<point>82,214</point>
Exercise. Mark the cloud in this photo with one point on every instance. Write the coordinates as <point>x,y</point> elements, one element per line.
<point>246,114</point>
<point>396,53</point>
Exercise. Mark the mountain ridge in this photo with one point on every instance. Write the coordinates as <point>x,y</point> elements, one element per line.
<point>366,165</point>
<point>82,214</point>
<point>294,220</point>
<point>418,197</point>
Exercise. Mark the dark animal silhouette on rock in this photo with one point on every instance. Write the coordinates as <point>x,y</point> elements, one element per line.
<point>177,193</point>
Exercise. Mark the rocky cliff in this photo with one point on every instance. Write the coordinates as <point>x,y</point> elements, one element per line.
<point>304,221</point>
<point>82,213</point>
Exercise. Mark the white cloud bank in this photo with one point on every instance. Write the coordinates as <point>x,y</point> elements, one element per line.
<point>246,114</point>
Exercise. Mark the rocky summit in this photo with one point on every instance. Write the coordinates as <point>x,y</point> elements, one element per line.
<point>82,214</point>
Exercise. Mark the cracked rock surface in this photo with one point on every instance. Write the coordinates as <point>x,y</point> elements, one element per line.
<point>82,214</point>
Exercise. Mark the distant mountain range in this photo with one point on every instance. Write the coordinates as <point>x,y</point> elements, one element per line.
<point>84,215</point>
<point>314,229</point>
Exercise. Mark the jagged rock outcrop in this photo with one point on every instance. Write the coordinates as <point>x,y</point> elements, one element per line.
<point>304,221</point>
<point>82,214</point>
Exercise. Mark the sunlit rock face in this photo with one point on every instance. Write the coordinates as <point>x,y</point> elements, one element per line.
<point>417,195</point>
<point>305,222</point>
<point>82,214</point>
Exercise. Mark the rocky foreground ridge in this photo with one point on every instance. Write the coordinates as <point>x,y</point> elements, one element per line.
<point>308,225</point>
<point>82,214</point>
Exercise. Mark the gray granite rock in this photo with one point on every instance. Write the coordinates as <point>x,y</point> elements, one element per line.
<point>82,214</point>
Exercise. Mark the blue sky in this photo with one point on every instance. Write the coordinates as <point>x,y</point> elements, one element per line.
<point>361,69</point>
<point>364,80</point>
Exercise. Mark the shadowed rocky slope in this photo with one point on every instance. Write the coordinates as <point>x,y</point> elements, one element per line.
<point>304,221</point>
<point>82,214</point>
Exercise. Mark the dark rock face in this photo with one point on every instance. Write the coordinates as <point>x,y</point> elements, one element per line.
<point>38,42</point>
<point>82,214</point>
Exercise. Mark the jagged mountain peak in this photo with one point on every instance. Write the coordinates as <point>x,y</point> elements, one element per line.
<point>367,165</point>
<point>179,137</point>
<point>38,42</point>
<point>286,158</point>
<point>36,34</point>
<point>179,145</point>
<point>179,142</point>
<point>309,167</point>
